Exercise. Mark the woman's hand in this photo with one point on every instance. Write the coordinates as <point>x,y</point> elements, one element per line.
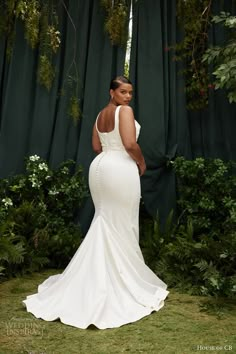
<point>142,167</point>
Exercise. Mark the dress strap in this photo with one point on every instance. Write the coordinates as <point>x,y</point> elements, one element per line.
<point>117,117</point>
<point>117,110</point>
<point>96,122</point>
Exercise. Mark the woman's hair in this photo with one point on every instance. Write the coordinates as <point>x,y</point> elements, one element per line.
<point>117,81</point>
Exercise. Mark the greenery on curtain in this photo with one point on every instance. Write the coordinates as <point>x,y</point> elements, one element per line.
<point>40,22</point>
<point>41,27</point>
<point>223,57</point>
<point>194,17</point>
<point>117,17</point>
<point>40,19</point>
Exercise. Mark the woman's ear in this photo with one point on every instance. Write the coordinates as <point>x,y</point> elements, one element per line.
<point>111,93</point>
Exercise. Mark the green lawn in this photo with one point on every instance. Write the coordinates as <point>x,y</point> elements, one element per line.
<point>181,327</point>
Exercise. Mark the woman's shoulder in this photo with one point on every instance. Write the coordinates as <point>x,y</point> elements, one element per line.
<point>126,109</point>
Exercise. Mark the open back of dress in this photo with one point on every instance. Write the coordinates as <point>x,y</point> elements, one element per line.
<point>107,282</point>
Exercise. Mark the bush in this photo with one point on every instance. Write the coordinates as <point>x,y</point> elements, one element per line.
<point>198,252</point>
<point>37,214</point>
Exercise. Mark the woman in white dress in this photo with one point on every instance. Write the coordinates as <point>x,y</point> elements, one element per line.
<point>107,283</point>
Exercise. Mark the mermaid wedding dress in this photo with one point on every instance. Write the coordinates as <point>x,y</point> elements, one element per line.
<point>106,283</point>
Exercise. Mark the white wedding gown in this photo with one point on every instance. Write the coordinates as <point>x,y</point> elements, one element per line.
<point>106,283</point>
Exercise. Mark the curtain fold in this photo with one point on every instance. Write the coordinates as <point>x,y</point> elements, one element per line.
<point>168,129</point>
<point>159,101</point>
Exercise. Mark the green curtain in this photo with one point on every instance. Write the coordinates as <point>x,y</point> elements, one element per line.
<point>212,130</point>
<point>35,121</point>
<point>168,130</point>
<point>159,101</point>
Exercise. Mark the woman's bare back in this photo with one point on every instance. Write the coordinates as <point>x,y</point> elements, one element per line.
<point>106,119</point>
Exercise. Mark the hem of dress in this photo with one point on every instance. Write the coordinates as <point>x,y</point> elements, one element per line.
<point>99,326</point>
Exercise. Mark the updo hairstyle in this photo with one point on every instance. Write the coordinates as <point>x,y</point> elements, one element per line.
<point>117,81</point>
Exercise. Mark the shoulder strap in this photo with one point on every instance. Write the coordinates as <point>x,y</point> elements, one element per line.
<point>117,117</point>
<point>96,121</point>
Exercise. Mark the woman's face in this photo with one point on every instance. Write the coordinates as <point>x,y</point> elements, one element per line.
<point>122,95</point>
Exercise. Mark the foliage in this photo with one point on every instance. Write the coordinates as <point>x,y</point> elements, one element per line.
<point>194,17</point>
<point>37,214</point>
<point>46,71</point>
<point>198,252</point>
<point>71,86</point>
<point>126,69</point>
<point>223,57</point>
<point>74,108</point>
<point>116,21</point>
<point>11,251</point>
<point>41,30</point>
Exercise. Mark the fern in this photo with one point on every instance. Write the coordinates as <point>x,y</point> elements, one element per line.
<point>12,251</point>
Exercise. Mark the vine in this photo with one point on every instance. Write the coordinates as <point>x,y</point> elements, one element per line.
<point>194,17</point>
<point>116,20</point>
<point>41,30</point>
<point>223,57</point>
<point>72,77</point>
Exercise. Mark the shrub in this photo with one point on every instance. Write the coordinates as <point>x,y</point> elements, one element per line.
<point>198,252</point>
<point>37,214</point>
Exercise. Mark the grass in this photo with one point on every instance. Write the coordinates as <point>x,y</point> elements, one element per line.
<point>183,326</point>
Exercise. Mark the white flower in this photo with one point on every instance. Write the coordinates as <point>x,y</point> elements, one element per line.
<point>231,21</point>
<point>34,158</point>
<point>53,192</point>
<point>43,166</point>
<point>32,177</point>
<point>34,181</point>
<point>43,205</point>
<point>65,170</point>
<point>7,202</point>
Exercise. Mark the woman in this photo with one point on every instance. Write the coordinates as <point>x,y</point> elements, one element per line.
<point>107,283</point>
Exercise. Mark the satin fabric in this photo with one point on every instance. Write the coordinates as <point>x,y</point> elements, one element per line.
<point>106,283</point>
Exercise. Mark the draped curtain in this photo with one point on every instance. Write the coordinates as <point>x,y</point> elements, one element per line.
<point>168,129</point>
<point>159,101</point>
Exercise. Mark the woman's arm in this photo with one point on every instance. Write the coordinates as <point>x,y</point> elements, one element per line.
<point>128,136</point>
<point>96,144</point>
